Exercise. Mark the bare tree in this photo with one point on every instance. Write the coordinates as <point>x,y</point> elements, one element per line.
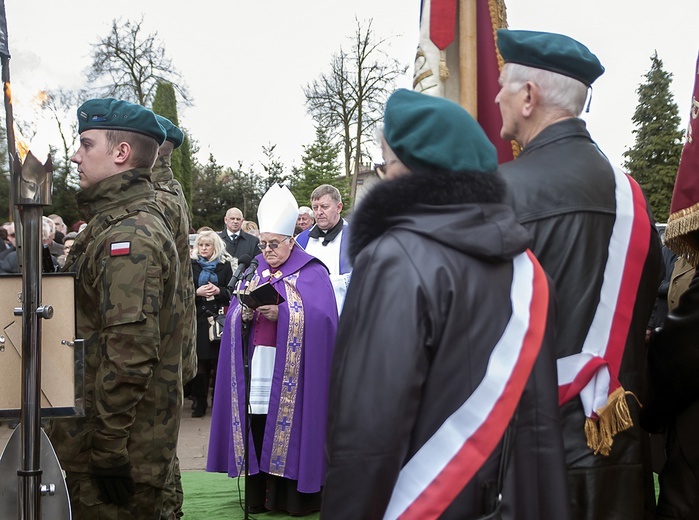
<point>133,64</point>
<point>349,100</point>
<point>61,103</point>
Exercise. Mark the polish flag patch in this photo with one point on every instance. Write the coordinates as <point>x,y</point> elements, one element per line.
<point>120,248</point>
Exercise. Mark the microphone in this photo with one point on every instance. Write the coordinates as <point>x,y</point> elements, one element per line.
<point>251,270</point>
<point>243,263</point>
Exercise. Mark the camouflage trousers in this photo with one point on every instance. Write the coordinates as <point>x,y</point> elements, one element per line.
<point>146,504</point>
<point>173,495</point>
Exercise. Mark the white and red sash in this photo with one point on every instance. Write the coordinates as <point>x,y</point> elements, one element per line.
<point>445,464</point>
<point>593,373</point>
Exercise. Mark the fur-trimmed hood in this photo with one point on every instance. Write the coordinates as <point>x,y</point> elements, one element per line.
<point>461,210</point>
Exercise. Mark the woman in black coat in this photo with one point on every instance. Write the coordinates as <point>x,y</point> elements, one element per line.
<point>211,271</point>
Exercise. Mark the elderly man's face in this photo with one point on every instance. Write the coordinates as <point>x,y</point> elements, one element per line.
<point>233,220</point>
<point>276,248</point>
<point>67,244</point>
<point>304,221</point>
<point>326,211</point>
<point>510,108</point>
<point>393,167</point>
<point>60,225</point>
<point>11,233</point>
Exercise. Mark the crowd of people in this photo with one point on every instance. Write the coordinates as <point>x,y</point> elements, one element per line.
<point>473,341</point>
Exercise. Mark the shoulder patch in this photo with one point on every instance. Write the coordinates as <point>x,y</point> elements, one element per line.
<point>120,248</point>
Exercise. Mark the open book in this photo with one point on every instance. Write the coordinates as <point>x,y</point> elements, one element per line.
<point>264,294</point>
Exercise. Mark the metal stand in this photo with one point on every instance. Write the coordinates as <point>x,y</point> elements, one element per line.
<point>32,190</point>
<point>245,336</point>
<point>245,340</point>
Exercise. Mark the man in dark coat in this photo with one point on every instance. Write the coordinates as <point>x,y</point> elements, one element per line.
<point>447,330</point>
<point>594,236</point>
<point>238,242</point>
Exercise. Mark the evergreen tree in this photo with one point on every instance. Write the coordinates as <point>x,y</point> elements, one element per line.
<point>165,104</point>
<point>215,189</point>
<point>273,168</point>
<point>208,196</point>
<point>655,156</point>
<point>320,165</point>
<point>247,189</point>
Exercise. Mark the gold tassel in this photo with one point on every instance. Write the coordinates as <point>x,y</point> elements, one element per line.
<point>443,69</point>
<point>677,235</point>
<point>614,417</point>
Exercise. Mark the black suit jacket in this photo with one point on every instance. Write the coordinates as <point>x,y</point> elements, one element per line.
<point>245,245</point>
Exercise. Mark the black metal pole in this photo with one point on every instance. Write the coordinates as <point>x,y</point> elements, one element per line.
<point>30,472</point>
<point>245,338</point>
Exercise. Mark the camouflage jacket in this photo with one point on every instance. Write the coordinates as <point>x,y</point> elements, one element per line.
<point>170,198</point>
<point>128,313</point>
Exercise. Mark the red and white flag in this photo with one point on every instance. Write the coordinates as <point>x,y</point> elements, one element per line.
<point>438,63</point>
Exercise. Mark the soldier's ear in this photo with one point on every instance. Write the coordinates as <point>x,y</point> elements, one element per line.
<point>122,153</point>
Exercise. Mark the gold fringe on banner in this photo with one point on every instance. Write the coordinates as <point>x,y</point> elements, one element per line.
<point>498,20</point>
<point>678,235</point>
<point>614,417</point>
<point>443,69</point>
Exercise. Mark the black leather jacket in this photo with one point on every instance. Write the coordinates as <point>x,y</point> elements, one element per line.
<point>562,190</point>
<point>428,300</point>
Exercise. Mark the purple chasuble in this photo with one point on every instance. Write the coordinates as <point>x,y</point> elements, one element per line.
<point>294,437</point>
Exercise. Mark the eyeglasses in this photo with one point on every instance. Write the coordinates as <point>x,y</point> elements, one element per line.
<point>271,245</point>
<point>381,168</point>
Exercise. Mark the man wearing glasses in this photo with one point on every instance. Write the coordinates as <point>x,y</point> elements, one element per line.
<point>326,239</point>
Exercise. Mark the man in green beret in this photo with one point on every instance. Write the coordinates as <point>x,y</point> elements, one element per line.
<point>119,456</point>
<point>594,236</point>
<point>170,196</point>
<point>441,291</point>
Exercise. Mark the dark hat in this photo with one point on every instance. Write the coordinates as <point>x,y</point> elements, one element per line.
<point>174,134</point>
<point>550,51</point>
<point>428,132</point>
<point>116,114</point>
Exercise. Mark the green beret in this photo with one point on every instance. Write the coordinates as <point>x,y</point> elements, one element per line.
<point>550,51</point>
<point>428,132</point>
<point>115,114</point>
<point>174,134</point>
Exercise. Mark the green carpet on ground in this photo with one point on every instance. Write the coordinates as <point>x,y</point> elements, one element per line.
<point>214,496</point>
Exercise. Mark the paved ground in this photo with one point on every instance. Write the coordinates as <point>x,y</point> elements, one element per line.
<point>194,439</point>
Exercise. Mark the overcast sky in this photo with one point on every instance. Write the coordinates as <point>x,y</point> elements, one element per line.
<point>245,63</point>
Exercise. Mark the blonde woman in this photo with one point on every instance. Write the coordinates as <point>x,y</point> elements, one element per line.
<point>211,271</point>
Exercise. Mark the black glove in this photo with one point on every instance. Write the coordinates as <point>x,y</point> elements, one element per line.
<point>116,485</point>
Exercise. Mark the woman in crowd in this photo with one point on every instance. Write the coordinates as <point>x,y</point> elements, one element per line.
<point>212,272</point>
<point>291,349</point>
<point>250,227</point>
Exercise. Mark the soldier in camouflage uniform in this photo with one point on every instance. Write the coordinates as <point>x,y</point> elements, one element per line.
<point>119,457</point>
<point>170,197</point>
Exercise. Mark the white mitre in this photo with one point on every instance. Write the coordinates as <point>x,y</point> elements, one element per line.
<point>278,211</point>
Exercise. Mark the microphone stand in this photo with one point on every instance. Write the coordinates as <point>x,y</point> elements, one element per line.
<point>245,340</point>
